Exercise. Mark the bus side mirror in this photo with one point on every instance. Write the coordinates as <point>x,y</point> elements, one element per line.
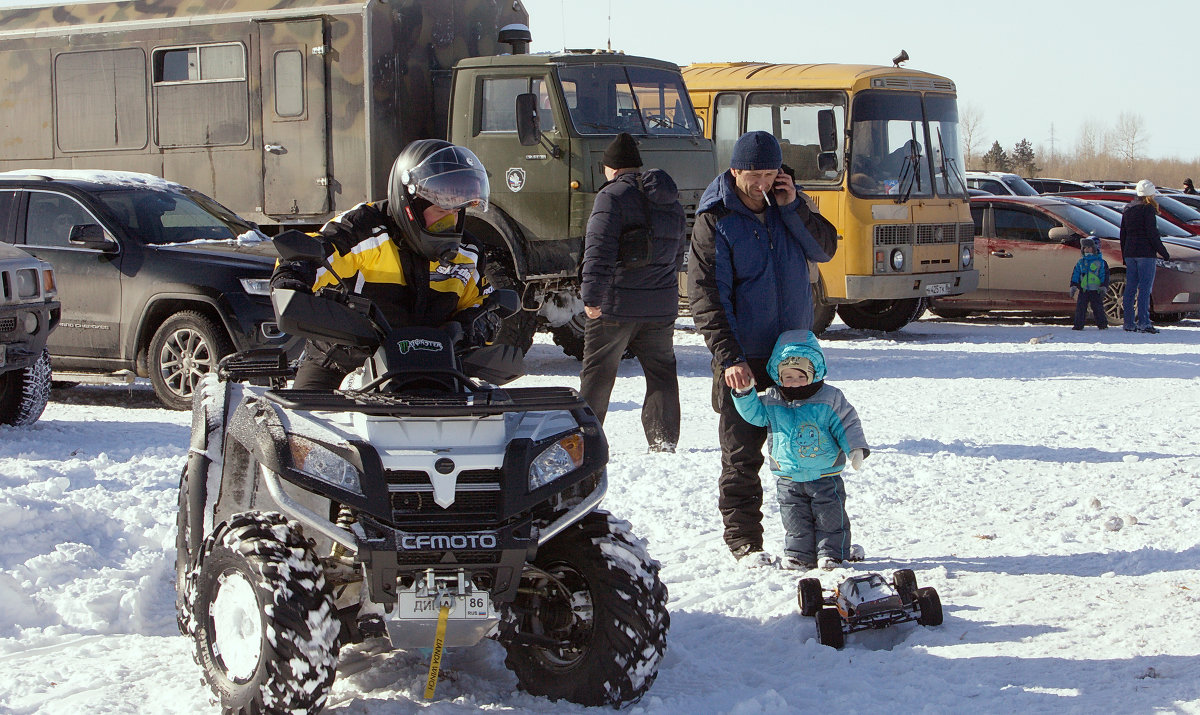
<point>827,130</point>
<point>528,125</point>
<point>827,161</point>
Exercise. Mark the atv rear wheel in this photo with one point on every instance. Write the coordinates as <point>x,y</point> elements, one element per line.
<point>264,622</point>
<point>905,583</point>
<point>809,594</point>
<point>930,606</point>
<point>829,628</point>
<point>597,592</point>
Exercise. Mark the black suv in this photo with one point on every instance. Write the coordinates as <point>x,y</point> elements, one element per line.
<point>156,280</point>
<point>28,312</point>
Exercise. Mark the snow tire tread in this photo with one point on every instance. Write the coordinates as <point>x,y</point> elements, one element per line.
<point>25,392</point>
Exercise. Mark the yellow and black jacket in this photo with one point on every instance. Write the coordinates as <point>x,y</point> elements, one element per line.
<point>364,248</point>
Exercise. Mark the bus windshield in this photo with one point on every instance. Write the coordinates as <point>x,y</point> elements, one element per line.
<point>609,99</point>
<point>904,147</point>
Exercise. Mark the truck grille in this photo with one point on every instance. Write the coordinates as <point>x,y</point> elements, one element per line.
<point>409,558</point>
<point>904,234</point>
<point>8,325</point>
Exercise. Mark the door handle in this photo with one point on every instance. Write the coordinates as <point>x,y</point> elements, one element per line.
<point>1002,254</point>
<point>274,148</point>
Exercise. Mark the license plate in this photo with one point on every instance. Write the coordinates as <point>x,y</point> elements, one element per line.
<point>476,607</point>
<point>937,289</point>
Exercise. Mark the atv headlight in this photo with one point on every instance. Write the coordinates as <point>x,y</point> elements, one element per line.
<point>319,462</point>
<point>558,459</point>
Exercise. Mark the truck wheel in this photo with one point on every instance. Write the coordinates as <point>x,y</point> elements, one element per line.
<point>905,583</point>
<point>264,623</point>
<point>808,593</point>
<point>569,336</point>
<point>185,348</point>
<point>822,312</point>
<point>829,628</point>
<point>516,330</point>
<point>596,591</point>
<point>949,313</point>
<point>930,606</point>
<point>25,392</point>
<point>1114,299</point>
<point>885,315</point>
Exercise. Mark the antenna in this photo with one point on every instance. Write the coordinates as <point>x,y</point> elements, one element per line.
<point>610,25</point>
<point>562,18</point>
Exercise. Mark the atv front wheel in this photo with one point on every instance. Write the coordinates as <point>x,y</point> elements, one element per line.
<point>930,606</point>
<point>596,593</point>
<point>808,593</point>
<point>829,628</point>
<point>263,617</point>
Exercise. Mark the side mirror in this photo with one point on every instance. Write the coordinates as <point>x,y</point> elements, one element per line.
<point>827,130</point>
<point>529,127</point>
<point>1063,235</point>
<point>296,245</point>
<point>827,161</point>
<point>91,235</point>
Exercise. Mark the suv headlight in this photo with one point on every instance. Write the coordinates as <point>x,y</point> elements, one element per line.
<point>256,286</point>
<point>562,457</point>
<point>320,462</point>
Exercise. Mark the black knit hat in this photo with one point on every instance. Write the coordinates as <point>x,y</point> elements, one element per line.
<point>756,151</point>
<point>622,153</point>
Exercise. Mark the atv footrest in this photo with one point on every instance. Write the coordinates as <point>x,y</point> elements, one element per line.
<point>264,363</point>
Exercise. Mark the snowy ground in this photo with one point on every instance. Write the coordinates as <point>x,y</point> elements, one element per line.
<point>1001,467</point>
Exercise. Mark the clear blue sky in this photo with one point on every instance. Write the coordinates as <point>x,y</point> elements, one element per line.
<point>1024,65</point>
<point>1032,69</point>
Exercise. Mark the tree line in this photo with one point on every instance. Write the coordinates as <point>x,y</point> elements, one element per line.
<point>1100,152</point>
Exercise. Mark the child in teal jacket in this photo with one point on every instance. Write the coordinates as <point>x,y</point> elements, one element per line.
<point>1090,281</point>
<point>813,431</point>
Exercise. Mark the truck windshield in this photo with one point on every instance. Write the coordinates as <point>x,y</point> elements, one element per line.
<point>165,217</point>
<point>609,99</point>
<point>893,154</point>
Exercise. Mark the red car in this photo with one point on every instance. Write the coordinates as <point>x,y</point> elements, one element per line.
<point>1026,248</point>
<point>1177,212</point>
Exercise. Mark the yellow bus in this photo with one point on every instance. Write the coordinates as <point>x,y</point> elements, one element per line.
<point>877,149</point>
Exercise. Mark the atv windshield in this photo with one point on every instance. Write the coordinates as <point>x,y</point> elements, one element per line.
<point>905,145</point>
<point>160,217</point>
<point>610,99</point>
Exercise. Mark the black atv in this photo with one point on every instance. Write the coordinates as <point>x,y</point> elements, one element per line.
<point>424,492</point>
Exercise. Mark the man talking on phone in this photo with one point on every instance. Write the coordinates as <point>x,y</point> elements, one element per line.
<point>748,283</point>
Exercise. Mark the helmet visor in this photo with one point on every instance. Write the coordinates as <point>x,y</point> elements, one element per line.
<point>451,178</point>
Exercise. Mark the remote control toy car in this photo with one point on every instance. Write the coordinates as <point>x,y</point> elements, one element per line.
<point>867,601</point>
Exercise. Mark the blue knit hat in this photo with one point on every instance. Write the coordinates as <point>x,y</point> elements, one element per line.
<point>756,151</point>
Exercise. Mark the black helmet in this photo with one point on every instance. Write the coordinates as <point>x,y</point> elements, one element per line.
<point>434,172</point>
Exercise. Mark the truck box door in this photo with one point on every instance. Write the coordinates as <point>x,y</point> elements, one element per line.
<point>295,172</point>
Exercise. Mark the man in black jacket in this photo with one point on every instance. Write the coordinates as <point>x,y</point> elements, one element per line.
<point>633,252</point>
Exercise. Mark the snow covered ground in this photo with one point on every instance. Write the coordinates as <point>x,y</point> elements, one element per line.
<point>1043,480</point>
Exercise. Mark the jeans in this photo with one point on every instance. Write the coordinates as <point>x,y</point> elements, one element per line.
<point>1139,280</point>
<point>814,518</point>
<point>653,344</point>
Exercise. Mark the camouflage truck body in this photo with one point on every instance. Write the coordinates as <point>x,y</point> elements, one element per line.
<point>291,111</point>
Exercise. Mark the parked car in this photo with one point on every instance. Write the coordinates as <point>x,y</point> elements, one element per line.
<point>1054,186</point>
<point>1192,200</point>
<point>156,280</point>
<point>1178,213</point>
<point>1111,184</point>
<point>1027,246</point>
<point>1000,183</point>
<point>28,312</point>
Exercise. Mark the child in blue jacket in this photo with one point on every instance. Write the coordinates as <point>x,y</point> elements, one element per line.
<point>1089,281</point>
<point>812,430</point>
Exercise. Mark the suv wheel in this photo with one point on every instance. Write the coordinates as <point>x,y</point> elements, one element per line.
<point>185,348</point>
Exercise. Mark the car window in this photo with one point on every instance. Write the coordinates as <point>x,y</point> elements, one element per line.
<point>993,186</point>
<point>161,217</point>
<point>977,217</point>
<point>50,217</point>
<point>1018,225</point>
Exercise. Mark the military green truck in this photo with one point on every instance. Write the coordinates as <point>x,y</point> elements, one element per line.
<point>291,111</point>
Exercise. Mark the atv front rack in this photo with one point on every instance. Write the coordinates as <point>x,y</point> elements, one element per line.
<point>489,402</point>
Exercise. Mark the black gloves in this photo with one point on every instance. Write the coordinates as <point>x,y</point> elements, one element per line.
<point>480,325</point>
<point>294,275</point>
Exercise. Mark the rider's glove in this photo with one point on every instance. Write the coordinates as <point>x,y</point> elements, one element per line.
<point>856,458</point>
<point>294,275</point>
<point>480,326</point>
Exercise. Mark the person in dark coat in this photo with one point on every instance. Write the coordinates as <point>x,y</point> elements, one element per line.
<point>1140,243</point>
<point>1187,187</point>
<point>748,283</point>
<point>633,252</point>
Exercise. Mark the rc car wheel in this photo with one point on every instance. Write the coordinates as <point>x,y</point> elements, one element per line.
<point>905,583</point>
<point>264,623</point>
<point>930,606</point>
<point>185,348</point>
<point>25,392</point>
<point>829,628</point>
<point>597,592</point>
<point>810,596</point>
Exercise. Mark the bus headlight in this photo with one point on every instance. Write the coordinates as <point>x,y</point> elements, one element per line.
<point>897,259</point>
<point>965,256</point>
<point>562,457</point>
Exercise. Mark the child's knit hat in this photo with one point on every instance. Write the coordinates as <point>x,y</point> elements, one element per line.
<point>800,363</point>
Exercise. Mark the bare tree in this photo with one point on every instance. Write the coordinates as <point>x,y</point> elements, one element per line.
<point>1129,137</point>
<point>970,121</point>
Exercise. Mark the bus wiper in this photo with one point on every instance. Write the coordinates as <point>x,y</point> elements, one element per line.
<point>913,164</point>
<point>949,163</point>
